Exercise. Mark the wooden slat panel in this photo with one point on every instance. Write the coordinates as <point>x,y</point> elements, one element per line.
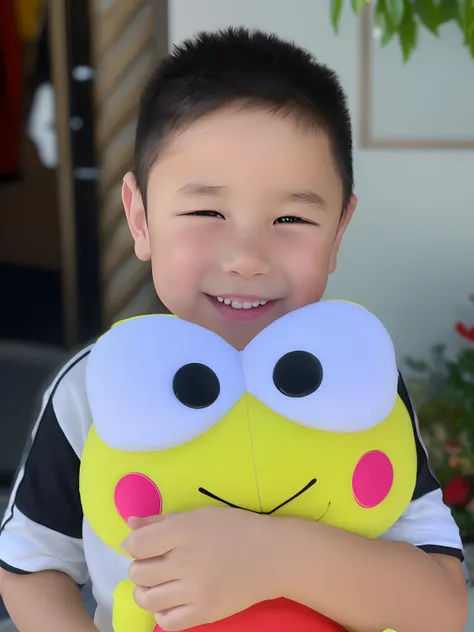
<point>117,156</point>
<point>111,210</point>
<point>137,38</point>
<point>145,301</point>
<point>113,21</point>
<point>129,37</point>
<point>122,104</point>
<point>119,249</point>
<point>124,285</point>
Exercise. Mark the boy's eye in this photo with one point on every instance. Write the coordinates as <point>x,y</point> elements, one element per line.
<point>291,219</point>
<point>206,213</point>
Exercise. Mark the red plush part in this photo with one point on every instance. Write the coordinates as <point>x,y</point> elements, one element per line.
<point>280,615</point>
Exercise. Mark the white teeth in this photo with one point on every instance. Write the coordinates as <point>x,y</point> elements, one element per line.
<point>238,304</point>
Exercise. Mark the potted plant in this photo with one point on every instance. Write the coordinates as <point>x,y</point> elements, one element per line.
<point>444,397</point>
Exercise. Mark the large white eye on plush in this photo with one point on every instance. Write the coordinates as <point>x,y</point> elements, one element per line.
<point>156,382</point>
<point>329,366</point>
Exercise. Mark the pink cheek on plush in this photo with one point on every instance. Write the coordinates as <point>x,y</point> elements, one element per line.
<point>372,479</point>
<point>137,495</point>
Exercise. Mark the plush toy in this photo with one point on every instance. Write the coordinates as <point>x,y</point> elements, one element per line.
<point>306,421</point>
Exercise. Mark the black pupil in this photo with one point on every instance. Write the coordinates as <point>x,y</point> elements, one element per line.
<point>298,374</point>
<point>196,385</point>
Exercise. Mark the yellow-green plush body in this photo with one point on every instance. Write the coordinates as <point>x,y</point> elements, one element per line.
<point>253,457</point>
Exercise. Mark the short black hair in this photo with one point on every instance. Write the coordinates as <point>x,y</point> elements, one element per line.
<point>213,70</point>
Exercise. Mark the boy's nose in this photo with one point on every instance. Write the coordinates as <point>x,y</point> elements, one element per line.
<point>246,261</point>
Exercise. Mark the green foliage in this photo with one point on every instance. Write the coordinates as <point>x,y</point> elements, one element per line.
<point>403,19</point>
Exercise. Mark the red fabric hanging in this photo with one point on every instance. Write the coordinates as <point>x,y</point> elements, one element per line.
<point>10,93</point>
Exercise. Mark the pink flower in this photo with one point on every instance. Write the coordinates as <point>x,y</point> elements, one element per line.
<point>464,331</point>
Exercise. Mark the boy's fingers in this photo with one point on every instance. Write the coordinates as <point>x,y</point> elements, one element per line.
<point>137,523</point>
<point>150,537</point>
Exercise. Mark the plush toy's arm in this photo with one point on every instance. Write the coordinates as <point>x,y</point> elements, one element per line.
<point>127,616</point>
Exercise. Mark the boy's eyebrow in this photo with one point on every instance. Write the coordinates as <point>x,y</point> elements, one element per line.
<point>199,188</point>
<point>307,197</point>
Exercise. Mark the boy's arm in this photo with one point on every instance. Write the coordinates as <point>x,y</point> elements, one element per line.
<point>41,550</point>
<point>368,585</point>
<point>47,601</point>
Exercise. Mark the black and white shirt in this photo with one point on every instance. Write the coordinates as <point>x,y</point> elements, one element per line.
<point>43,528</point>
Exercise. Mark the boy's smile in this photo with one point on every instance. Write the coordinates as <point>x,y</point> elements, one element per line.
<point>241,308</point>
<point>243,220</point>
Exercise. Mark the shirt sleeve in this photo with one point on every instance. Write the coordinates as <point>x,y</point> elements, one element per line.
<point>427,522</point>
<point>42,527</point>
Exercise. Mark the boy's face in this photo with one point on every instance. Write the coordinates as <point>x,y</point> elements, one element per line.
<point>244,207</point>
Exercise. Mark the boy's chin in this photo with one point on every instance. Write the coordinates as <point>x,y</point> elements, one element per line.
<point>239,335</point>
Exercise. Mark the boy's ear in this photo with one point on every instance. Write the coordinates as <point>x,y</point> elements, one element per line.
<point>343,224</point>
<point>136,216</point>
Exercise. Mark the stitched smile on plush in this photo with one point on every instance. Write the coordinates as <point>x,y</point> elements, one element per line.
<point>306,421</point>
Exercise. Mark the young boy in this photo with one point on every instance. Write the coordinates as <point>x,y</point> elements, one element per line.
<point>242,192</point>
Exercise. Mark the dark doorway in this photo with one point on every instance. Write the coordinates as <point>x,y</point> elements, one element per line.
<point>37,253</point>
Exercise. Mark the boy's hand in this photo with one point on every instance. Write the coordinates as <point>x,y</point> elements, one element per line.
<point>202,566</point>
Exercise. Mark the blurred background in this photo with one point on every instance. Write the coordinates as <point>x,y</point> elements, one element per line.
<point>70,80</point>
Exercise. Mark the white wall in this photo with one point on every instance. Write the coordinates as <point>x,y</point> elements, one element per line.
<point>409,255</point>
